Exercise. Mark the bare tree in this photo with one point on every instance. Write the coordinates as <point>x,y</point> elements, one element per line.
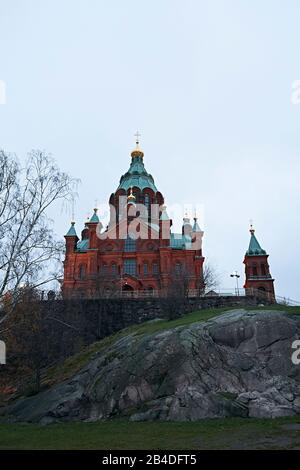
<point>39,334</point>
<point>31,335</point>
<point>28,248</point>
<point>210,278</point>
<point>177,293</point>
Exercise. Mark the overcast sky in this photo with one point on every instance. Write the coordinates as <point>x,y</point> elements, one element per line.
<point>207,83</point>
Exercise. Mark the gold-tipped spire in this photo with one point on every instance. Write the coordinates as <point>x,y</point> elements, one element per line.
<point>137,152</point>
<point>252,230</point>
<point>131,196</point>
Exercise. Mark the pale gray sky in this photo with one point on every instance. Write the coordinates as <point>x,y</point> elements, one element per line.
<point>208,84</point>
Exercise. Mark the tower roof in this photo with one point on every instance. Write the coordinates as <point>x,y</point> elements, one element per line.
<point>137,176</point>
<point>254,247</point>
<point>94,219</point>
<point>196,227</point>
<point>186,219</point>
<point>164,214</point>
<point>71,232</point>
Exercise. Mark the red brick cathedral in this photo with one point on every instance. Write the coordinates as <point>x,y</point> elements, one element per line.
<point>137,252</point>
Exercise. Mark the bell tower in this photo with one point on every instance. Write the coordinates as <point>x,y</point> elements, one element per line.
<point>258,277</point>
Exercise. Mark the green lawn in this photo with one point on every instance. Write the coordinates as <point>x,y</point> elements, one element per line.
<point>293,310</point>
<point>228,433</point>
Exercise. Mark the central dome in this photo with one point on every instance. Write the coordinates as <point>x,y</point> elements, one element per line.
<point>137,176</point>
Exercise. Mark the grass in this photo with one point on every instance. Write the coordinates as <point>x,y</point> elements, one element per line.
<point>294,310</point>
<point>227,433</point>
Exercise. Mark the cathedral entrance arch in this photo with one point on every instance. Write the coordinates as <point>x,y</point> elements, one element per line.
<point>127,288</point>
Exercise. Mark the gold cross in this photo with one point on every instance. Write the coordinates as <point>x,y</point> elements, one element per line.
<point>137,135</point>
<point>252,231</point>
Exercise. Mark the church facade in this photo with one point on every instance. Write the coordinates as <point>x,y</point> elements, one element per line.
<point>137,253</point>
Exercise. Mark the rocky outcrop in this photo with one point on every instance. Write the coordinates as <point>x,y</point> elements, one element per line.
<point>237,364</point>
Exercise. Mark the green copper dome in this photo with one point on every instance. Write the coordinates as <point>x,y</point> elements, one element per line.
<point>137,176</point>
<point>164,214</point>
<point>71,232</point>
<point>94,219</point>
<point>254,247</point>
<point>196,227</point>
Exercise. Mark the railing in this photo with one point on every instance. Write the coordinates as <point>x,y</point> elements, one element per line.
<point>237,292</point>
<point>193,293</point>
<point>136,294</point>
<point>265,295</point>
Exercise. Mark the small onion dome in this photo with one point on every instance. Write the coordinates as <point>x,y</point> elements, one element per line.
<point>137,152</point>
<point>186,220</point>
<point>131,196</point>
<point>186,226</point>
<point>164,214</point>
<point>196,227</point>
<point>94,218</point>
<point>71,232</point>
<point>85,232</point>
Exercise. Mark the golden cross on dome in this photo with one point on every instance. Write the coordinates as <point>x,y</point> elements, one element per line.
<point>137,135</point>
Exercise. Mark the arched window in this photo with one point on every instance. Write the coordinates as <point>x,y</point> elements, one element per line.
<point>178,268</point>
<point>114,269</point>
<point>82,271</point>
<point>136,195</point>
<point>148,203</point>
<point>104,269</point>
<point>155,268</point>
<point>254,270</point>
<point>130,243</point>
<point>145,269</point>
<point>129,267</point>
<point>263,269</point>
